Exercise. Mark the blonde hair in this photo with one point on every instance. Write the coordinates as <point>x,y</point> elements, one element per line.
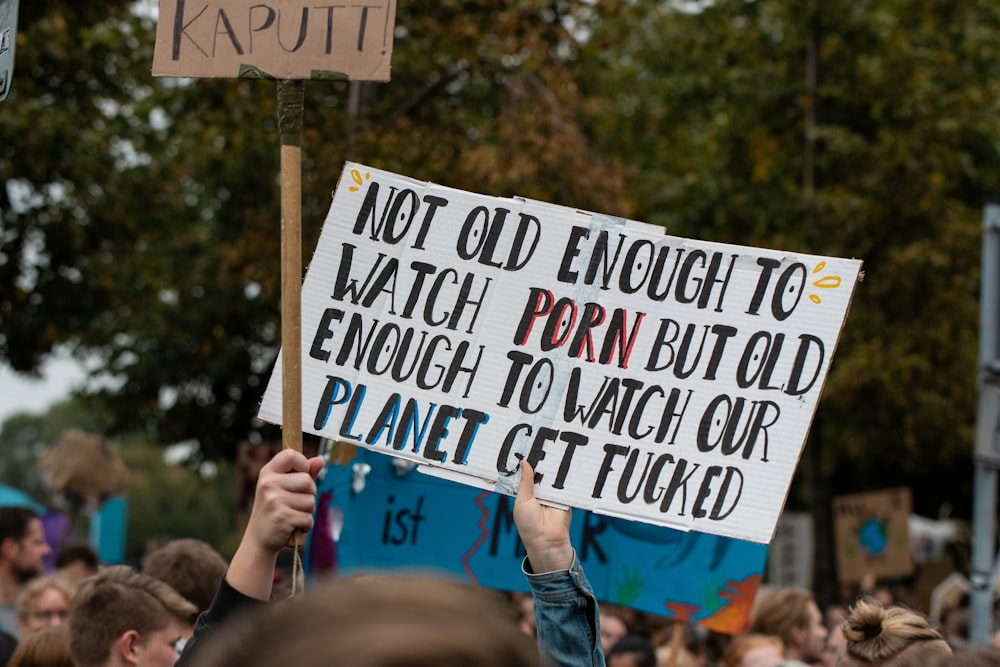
<point>44,647</point>
<point>781,611</point>
<point>887,636</point>
<point>34,589</point>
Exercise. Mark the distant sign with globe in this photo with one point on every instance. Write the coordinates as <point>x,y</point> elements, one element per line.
<point>872,534</point>
<point>872,537</point>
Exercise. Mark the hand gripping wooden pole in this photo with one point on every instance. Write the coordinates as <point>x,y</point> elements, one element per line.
<point>290,103</point>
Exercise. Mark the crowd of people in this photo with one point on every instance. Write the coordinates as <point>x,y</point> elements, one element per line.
<point>190,607</point>
<point>786,628</point>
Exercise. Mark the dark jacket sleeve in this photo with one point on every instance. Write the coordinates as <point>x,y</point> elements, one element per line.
<point>227,602</point>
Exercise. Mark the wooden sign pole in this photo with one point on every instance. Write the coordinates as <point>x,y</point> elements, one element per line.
<point>290,101</point>
<point>676,643</point>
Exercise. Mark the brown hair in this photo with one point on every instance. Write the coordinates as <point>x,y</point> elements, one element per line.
<point>15,522</point>
<point>192,568</point>
<point>780,611</point>
<point>77,552</point>
<point>34,589</point>
<point>375,621</point>
<point>114,601</point>
<point>44,647</point>
<point>743,644</point>
<point>884,636</point>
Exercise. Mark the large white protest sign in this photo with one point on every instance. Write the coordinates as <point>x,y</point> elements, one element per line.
<point>657,378</point>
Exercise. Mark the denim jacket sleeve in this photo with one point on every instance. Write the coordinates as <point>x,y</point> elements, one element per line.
<point>566,617</point>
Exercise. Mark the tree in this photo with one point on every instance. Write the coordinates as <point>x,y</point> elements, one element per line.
<point>172,501</point>
<point>25,437</point>
<point>142,227</point>
<point>163,500</point>
<point>709,110</point>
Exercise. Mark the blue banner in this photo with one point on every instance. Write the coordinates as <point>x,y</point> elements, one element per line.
<point>401,519</point>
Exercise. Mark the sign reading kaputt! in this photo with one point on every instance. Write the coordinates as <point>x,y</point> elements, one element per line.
<point>281,39</point>
<point>656,378</point>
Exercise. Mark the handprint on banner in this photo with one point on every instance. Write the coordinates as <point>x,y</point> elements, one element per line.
<point>629,588</point>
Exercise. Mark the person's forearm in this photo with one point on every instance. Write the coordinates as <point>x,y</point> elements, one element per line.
<point>251,571</point>
<point>552,558</point>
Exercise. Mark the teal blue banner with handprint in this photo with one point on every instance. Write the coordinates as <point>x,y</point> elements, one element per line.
<point>376,512</point>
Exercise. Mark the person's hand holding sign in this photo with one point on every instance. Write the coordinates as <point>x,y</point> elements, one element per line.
<point>283,503</point>
<point>544,530</point>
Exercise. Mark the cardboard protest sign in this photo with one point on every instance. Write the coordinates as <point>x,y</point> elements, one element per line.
<point>872,534</point>
<point>8,42</point>
<point>280,39</point>
<point>644,376</point>
<point>396,518</point>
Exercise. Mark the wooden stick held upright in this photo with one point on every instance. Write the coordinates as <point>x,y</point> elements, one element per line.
<point>676,642</point>
<point>290,103</point>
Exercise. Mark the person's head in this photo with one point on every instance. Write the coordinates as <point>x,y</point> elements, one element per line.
<point>375,621</point>
<point>791,614</point>
<point>22,542</point>
<point>955,625</point>
<point>191,567</point>
<point>877,636</point>
<point>44,601</point>
<point>121,617</point>
<point>753,650</point>
<point>834,641</point>
<point>613,627</point>
<point>631,651</point>
<point>44,647</point>
<point>77,561</point>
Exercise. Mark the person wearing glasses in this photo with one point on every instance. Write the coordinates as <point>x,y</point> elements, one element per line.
<point>44,601</point>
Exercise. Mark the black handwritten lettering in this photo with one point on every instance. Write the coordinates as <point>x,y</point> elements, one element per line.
<point>400,209</point>
<point>627,399</point>
<point>480,237</point>
<point>687,481</point>
<point>537,384</point>
<point>503,526</point>
<point>689,276</point>
<point>406,521</point>
<point>677,359</point>
<point>536,452</point>
<point>723,419</point>
<point>791,283</point>
<point>464,295</point>
<point>267,24</point>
